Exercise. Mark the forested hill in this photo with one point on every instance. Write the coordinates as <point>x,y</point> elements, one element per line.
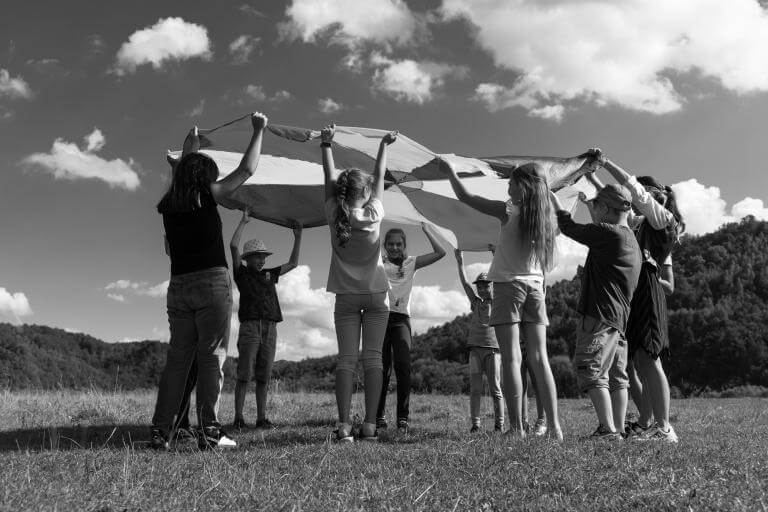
<point>718,327</point>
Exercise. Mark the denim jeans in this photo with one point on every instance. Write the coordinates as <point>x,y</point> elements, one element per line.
<point>485,361</point>
<point>199,310</point>
<point>397,350</point>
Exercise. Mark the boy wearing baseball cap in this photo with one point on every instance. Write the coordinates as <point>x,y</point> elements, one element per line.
<point>259,313</point>
<point>484,354</point>
<point>608,281</point>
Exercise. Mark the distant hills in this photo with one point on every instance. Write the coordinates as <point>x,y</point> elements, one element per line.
<point>718,327</point>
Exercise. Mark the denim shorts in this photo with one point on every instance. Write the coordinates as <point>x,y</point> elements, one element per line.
<point>518,301</point>
<point>256,347</point>
<point>601,356</point>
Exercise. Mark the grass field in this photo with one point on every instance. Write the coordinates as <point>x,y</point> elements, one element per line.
<point>87,451</point>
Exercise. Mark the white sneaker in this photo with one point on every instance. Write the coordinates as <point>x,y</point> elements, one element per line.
<point>344,433</point>
<point>539,428</point>
<point>656,433</point>
<point>215,438</point>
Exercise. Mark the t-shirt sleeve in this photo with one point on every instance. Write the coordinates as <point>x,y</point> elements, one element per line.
<point>374,210</point>
<point>656,215</point>
<point>590,235</point>
<point>275,273</point>
<point>237,272</point>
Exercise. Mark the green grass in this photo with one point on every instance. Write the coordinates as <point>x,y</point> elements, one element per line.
<point>87,451</point>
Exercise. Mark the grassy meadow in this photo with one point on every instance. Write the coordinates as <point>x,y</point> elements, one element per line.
<point>87,451</point>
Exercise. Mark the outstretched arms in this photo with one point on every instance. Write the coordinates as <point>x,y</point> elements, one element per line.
<point>248,164</point>
<point>437,250</point>
<point>234,244</point>
<point>381,165</point>
<point>487,206</point>
<point>329,170</point>
<point>293,261</point>
<point>463,277</point>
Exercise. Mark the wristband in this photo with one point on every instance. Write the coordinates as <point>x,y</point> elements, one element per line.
<point>325,144</point>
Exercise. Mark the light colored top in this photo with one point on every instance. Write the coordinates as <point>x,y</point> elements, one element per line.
<point>357,268</point>
<point>480,333</point>
<point>658,216</point>
<point>400,284</point>
<point>512,261</point>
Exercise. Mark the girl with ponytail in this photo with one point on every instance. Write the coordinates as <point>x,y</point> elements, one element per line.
<point>354,212</point>
<point>658,225</point>
<point>524,252</point>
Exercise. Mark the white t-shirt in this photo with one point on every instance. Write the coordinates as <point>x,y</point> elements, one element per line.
<point>400,284</point>
<point>357,268</point>
<point>512,261</point>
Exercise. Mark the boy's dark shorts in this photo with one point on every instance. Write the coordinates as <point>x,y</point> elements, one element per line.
<point>256,346</point>
<point>601,356</point>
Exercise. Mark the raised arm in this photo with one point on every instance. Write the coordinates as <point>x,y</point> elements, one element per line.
<point>587,234</point>
<point>487,206</point>
<point>329,170</point>
<point>667,278</point>
<point>234,244</point>
<point>293,261</point>
<point>381,165</point>
<point>471,295</point>
<point>223,188</point>
<point>437,250</point>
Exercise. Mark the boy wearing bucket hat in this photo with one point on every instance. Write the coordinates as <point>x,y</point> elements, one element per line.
<point>259,313</point>
<point>608,282</point>
<point>484,354</point>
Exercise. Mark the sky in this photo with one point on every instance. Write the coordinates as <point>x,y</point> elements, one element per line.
<point>93,93</point>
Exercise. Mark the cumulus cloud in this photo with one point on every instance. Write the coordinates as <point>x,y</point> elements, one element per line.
<point>67,161</point>
<point>198,109</point>
<point>313,307</point>
<point>14,305</point>
<point>622,53</point>
<point>168,40</point>
<point>257,92</point>
<point>13,87</point>
<point>350,22</point>
<point>295,342</point>
<point>116,297</point>
<point>704,210</point>
<point>141,288</point>
<point>328,106</point>
<point>408,80</point>
<point>242,47</point>
<point>431,305</point>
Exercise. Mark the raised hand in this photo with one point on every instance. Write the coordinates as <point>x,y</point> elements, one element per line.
<point>327,133</point>
<point>390,137</point>
<point>246,216</point>
<point>259,121</point>
<point>191,142</point>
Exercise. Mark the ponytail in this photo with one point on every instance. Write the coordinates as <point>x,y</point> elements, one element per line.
<point>671,205</point>
<point>350,186</point>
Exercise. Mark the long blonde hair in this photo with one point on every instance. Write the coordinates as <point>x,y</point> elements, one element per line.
<point>537,218</point>
<point>350,185</point>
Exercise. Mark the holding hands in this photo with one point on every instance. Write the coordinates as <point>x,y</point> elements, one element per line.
<point>327,133</point>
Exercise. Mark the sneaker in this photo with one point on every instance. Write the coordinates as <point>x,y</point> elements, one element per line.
<point>215,438</point>
<point>265,423</point>
<point>368,433</point>
<point>239,423</point>
<point>603,434</point>
<point>343,433</point>
<point>381,423</point>
<point>183,434</point>
<point>656,433</point>
<point>634,429</point>
<point>475,429</point>
<point>539,428</point>
<point>402,426</point>
<point>159,440</point>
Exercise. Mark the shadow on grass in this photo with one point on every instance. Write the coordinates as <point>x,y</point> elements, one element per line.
<point>75,438</point>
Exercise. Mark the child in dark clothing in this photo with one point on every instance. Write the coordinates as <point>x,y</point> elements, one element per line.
<point>610,277</point>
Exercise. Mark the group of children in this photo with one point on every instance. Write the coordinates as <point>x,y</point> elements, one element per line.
<point>625,278</point>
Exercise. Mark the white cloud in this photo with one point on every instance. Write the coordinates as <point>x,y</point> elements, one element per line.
<point>14,305</point>
<point>570,255</point>
<point>13,88</point>
<point>257,92</point>
<point>704,211</point>
<point>67,161</point>
<point>408,80</point>
<point>473,270</point>
<point>242,47</point>
<point>295,342</point>
<point>198,109</point>
<point>431,305</point>
<point>170,39</point>
<point>313,307</point>
<point>248,9</point>
<point>350,22</point>
<point>116,297</point>
<point>328,106</point>
<point>141,288</point>
<point>621,52</point>
<point>281,95</point>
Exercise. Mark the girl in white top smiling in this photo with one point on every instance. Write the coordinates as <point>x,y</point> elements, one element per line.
<point>354,211</point>
<point>525,250</point>
<point>401,269</point>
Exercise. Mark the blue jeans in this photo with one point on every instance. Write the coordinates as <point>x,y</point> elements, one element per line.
<point>199,310</point>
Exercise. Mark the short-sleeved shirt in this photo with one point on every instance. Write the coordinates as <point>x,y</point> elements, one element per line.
<point>512,261</point>
<point>400,284</point>
<point>611,271</point>
<point>481,334</point>
<point>258,295</point>
<point>357,268</point>
<point>194,239</point>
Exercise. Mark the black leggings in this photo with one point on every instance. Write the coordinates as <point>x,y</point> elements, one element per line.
<point>397,350</point>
